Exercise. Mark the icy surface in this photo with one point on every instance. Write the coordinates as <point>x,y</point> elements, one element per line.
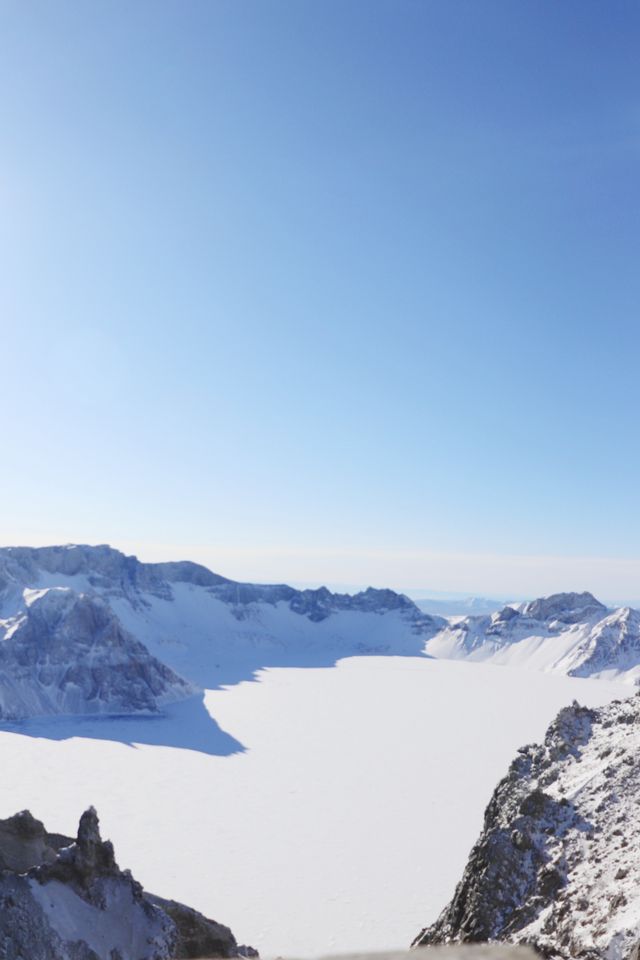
<point>345,823</point>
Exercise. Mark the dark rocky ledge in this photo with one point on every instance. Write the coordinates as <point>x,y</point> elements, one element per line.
<point>65,899</point>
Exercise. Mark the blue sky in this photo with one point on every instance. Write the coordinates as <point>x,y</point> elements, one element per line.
<point>340,291</point>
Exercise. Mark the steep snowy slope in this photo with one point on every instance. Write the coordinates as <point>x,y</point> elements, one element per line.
<point>569,633</point>
<point>65,653</point>
<point>558,860</point>
<point>211,630</point>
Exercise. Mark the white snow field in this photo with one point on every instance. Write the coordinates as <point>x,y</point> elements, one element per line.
<point>345,822</point>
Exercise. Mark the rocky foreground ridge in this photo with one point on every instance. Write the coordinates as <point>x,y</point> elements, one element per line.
<point>557,863</point>
<point>65,899</point>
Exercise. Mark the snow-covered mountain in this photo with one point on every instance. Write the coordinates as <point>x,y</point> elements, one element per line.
<point>557,862</point>
<point>569,633</point>
<point>65,899</point>
<point>89,630</point>
<point>66,653</point>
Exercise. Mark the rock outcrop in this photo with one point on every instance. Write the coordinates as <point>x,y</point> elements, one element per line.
<point>557,862</point>
<point>68,900</point>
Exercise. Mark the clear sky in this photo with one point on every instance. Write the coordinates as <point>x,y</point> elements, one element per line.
<point>325,291</point>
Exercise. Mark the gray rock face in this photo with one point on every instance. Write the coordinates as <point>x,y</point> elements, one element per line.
<point>24,843</point>
<point>565,607</point>
<point>66,653</point>
<point>556,863</point>
<point>76,903</point>
<point>199,937</point>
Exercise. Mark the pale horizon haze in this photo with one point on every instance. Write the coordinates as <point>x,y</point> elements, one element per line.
<point>335,292</point>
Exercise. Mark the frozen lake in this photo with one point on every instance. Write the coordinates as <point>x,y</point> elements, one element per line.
<point>342,825</point>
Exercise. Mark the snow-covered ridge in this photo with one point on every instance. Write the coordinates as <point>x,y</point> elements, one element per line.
<point>557,863</point>
<point>106,570</point>
<point>89,630</point>
<point>570,633</point>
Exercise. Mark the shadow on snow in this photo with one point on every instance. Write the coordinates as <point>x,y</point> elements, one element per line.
<point>186,725</point>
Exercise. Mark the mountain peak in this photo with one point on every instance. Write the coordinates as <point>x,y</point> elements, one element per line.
<point>566,607</point>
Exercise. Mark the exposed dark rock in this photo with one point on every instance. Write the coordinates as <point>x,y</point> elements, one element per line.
<point>547,869</point>
<point>198,936</point>
<point>66,900</point>
<point>24,843</point>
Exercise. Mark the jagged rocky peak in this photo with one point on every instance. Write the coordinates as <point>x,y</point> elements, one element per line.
<point>506,615</point>
<point>68,900</point>
<point>68,653</point>
<point>566,607</point>
<point>557,862</point>
<point>24,843</point>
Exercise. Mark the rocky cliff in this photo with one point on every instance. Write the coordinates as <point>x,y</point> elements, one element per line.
<point>62,899</point>
<point>557,862</point>
<point>67,653</point>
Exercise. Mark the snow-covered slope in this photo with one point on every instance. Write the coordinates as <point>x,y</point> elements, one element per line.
<point>211,630</point>
<point>66,653</point>
<point>558,860</point>
<point>569,633</point>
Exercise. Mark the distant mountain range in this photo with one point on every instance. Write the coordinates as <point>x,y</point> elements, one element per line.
<point>567,633</point>
<point>88,630</point>
<point>459,606</point>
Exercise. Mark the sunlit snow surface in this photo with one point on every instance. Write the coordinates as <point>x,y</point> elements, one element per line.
<point>345,821</point>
